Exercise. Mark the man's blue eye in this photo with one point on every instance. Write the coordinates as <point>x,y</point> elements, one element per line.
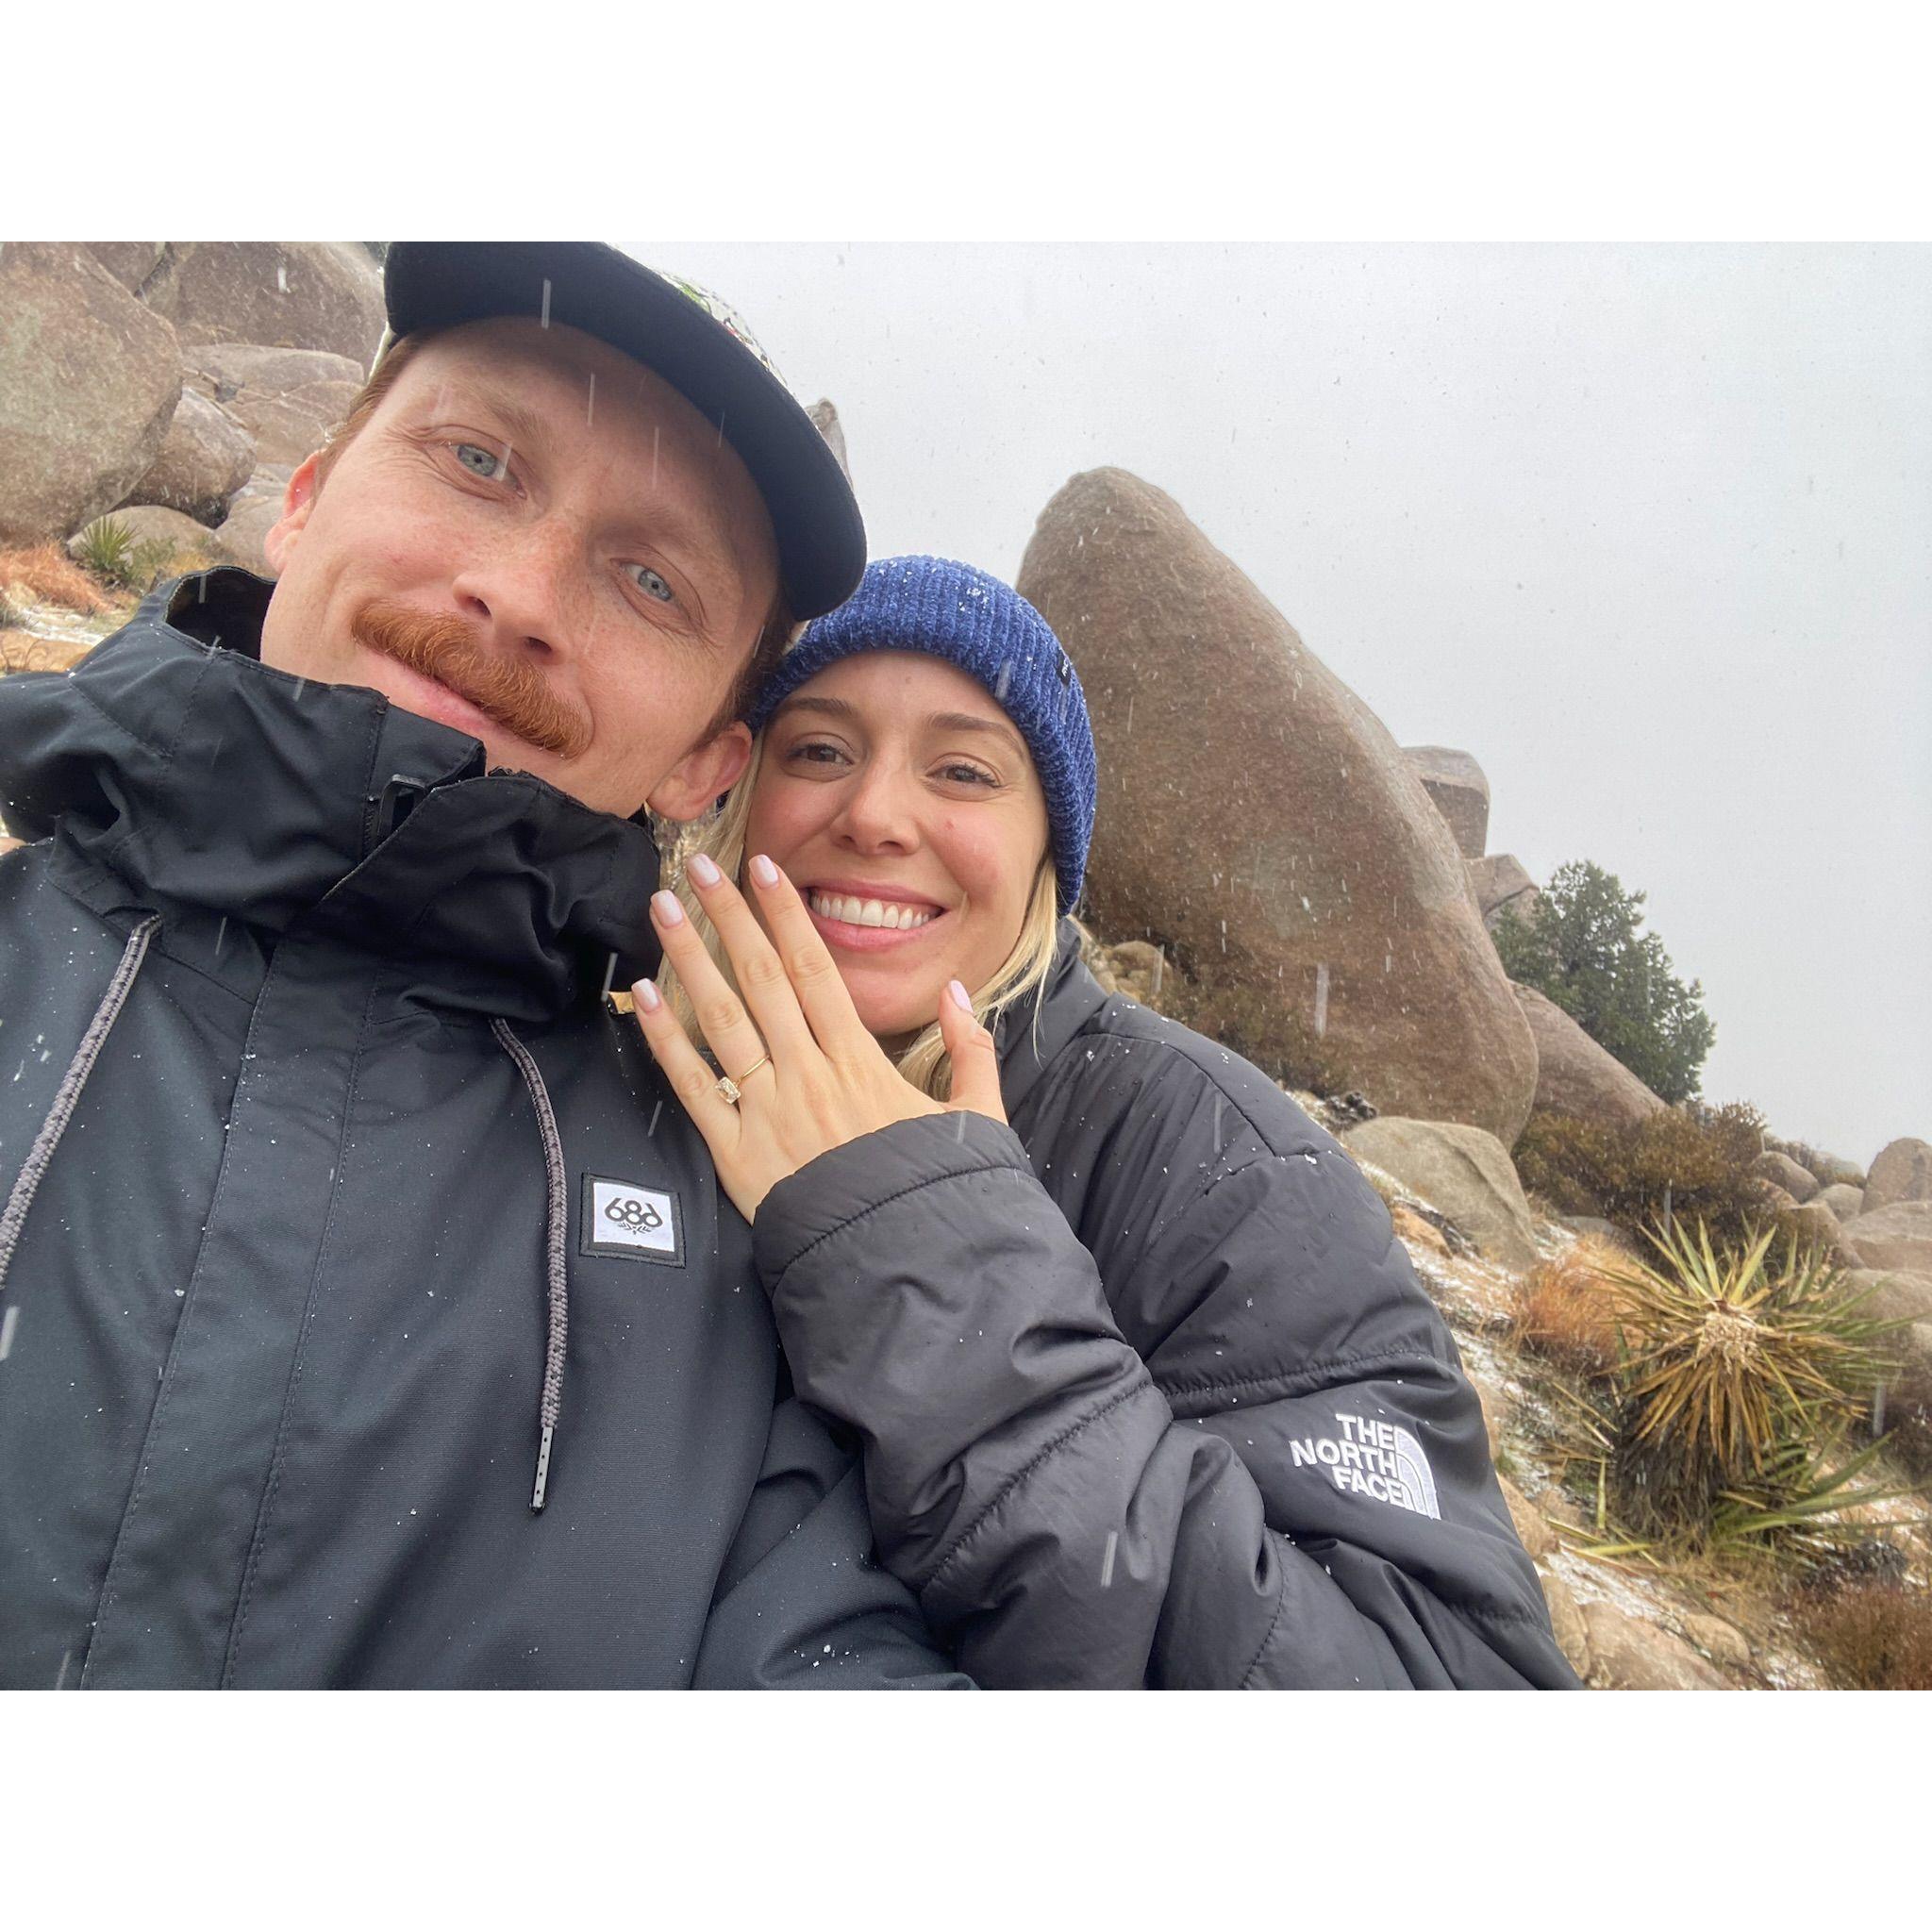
<point>652,585</point>
<point>479,461</point>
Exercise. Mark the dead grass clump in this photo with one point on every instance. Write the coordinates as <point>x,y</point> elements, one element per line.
<point>45,573</point>
<point>1566,1308</point>
<point>1872,1635</point>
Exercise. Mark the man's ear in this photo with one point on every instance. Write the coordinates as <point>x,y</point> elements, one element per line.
<point>298,501</point>
<point>694,784</point>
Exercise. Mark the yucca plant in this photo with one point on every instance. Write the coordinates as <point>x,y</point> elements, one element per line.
<point>105,548</point>
<point>1737,1380</point>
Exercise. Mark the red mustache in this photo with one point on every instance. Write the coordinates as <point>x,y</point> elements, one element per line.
<point>507,690</point>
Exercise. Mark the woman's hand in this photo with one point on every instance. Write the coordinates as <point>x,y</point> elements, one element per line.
<point>826,1080</point>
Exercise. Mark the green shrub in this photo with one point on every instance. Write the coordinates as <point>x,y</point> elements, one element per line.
<point>108,548</point>
<point>11,617</point>
<point>105,548</point>
<point>1691,1162</point>
<point>1581,948</point>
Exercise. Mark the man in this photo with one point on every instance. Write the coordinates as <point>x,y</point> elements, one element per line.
<point>370,1319</point>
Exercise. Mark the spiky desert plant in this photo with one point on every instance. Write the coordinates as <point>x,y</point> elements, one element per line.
<point>1737,1377</point>
<point>105,548</point>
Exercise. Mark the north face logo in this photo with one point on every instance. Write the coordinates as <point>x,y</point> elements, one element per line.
<point>1378,1459</point>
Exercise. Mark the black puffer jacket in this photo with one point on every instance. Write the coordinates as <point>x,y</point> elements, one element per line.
<point>329,1187</point>
<point>1149,1390</point>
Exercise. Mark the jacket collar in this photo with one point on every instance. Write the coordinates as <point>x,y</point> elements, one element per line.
<point>205,778</point>
<point>1072,996</point>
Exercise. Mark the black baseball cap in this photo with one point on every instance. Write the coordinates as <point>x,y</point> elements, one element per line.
<point>696,343</point>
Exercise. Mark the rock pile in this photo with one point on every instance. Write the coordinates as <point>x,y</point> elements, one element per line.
<point>1258,821</point>
<point>184,377</point>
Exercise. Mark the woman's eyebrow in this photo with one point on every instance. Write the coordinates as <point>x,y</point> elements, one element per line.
<point>965,721</point>
<point>830,708</point>
<point>937,721</point>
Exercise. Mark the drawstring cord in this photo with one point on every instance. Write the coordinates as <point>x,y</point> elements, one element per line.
<point>557,1217</point>
<point>67,1096</point>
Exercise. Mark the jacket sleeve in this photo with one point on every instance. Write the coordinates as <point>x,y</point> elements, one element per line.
<point>800,1604</point>
<point>1073,1511</point>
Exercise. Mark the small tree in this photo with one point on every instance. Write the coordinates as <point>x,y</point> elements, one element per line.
<point>1582,950</point>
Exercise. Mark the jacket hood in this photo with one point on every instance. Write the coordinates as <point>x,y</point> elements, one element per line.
<point>202,777</point>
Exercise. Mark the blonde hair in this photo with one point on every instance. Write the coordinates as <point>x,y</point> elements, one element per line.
<point>926,1063</point>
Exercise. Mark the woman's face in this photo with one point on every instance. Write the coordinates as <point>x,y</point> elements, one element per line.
<point>903,804</point>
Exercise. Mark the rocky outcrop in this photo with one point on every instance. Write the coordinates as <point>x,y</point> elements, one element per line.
<point>1461,1170</point>
<point>150,523</point>
<point>129,262</point>
<point>203,460</point>
<point>89,380</point>
<point>1898,1294</point>
<point>1566,1622</point>
<point>1815,1224</point>
<point>1258,821</point>
<point>253,513</point>
<point>1625,1654</point>
<point>1501,885</point>
<point>288,400</point>
<point>1532,1531</point>
<point>1798,1182</point>
<point>1844,1202</point>
<point>1827,1170</point>
<point>1903,1171</point>
<point>1574,1076</point>
<point>1457,790</point>
<point>1898,1237</point>
<point>292,294</point>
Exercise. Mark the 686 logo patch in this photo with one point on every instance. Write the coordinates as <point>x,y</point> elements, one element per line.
<point>625,1218</point>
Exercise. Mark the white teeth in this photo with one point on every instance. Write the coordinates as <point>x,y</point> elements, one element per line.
<point>889,913</point>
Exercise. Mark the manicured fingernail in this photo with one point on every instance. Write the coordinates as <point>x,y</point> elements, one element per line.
<point>646,994</point>
<point>703,870</point>
<point>764,871</point>
<point>962,998</point>
<point>667,909</point>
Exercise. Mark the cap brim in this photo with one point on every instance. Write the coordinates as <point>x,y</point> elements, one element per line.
<point>587,286</point>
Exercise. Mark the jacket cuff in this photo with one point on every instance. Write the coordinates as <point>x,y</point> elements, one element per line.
<point>873,1172</point>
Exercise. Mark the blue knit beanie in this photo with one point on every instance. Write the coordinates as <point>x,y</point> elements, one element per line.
<point>987,629</point>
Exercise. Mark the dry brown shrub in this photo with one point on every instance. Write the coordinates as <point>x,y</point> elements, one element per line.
<point>1566,1308</point>
<point>46,572</point>
<point>1872,1635</point>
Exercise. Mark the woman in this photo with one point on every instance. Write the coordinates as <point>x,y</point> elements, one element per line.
<point>1149,1396</point>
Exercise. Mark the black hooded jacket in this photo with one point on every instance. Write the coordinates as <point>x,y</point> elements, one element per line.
<point>1149,1390</point>
<point>332,1191</point>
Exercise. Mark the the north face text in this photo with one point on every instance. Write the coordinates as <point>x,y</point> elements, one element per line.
<point>1372,1459</point>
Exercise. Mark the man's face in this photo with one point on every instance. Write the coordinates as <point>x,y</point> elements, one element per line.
<point>539,542</point>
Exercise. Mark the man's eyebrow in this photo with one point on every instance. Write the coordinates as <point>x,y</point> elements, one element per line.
<point>941,720</point>
<point>524,429</point>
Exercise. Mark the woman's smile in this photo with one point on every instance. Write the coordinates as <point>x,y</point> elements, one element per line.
<point>864,917</point>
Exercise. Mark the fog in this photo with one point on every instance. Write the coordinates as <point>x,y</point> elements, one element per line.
<point>1645,529</point>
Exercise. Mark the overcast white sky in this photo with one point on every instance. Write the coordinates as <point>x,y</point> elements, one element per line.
<point>1645,529</point>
